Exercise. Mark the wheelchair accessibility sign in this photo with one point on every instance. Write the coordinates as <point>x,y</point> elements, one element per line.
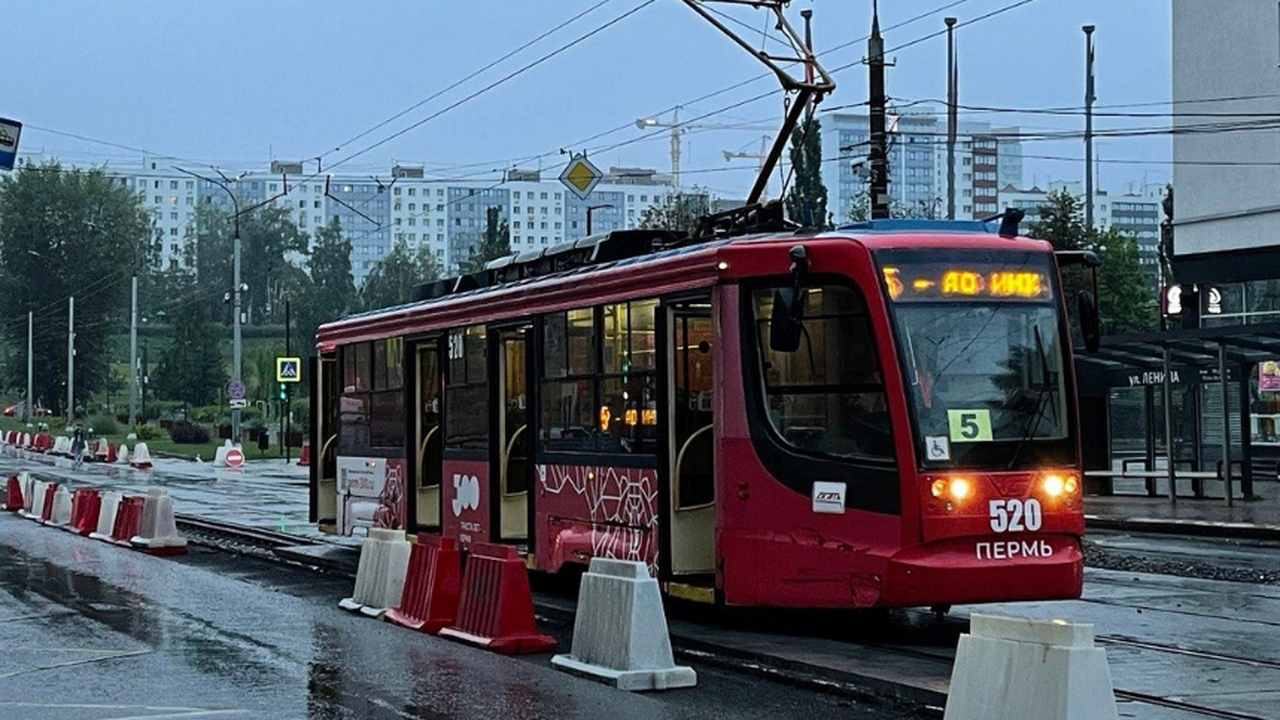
<point>288,369</point>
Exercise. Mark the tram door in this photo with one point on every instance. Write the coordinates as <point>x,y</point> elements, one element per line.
<point>513,446</point>
<point>428,435</point>
<point>324,434</point>
<point>692,441</point>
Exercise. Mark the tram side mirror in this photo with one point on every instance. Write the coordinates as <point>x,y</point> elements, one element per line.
<point>786,321</point>
<point>1090,324</point>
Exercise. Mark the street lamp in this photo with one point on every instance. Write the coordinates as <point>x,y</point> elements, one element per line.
<point>593,208</point>
<point>236,291</point>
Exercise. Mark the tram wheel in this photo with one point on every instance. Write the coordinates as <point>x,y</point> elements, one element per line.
<point>940,612</point>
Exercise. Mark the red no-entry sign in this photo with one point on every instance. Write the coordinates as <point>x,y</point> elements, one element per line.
<point>235,458</point>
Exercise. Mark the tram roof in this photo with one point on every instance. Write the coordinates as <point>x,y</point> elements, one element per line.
<point>679,267</point>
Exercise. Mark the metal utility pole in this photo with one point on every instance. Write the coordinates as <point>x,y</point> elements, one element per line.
<point>236,293</point>
<point>878,155</point>
<point>133,356</point>
<point>952,98</point>
<point>288,387</point>
<point>71,359</point>
<point>1088,128</point>
<point>591,209</point>
<point>30,409</point>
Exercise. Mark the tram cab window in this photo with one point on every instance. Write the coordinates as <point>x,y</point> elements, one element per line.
<point>466,393</point>
<point>827,397</point>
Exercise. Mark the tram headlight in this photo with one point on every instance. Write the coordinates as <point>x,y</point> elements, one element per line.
<point>938,488</point>
<point>1053,485</point>
<point>1056,485</point>
<point>960,488</point>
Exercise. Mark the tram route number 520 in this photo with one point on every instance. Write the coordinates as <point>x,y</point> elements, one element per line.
<point>1015,515</point>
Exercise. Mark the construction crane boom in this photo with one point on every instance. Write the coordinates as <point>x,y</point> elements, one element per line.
<point>678,128</point>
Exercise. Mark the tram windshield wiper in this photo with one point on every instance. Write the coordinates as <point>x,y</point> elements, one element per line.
<point>1048,380</point>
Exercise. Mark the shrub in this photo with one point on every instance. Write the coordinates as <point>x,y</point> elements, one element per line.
<point>145,431</point>
<point>188,433</point>
<point>103,425</point>
<point>157,409</point>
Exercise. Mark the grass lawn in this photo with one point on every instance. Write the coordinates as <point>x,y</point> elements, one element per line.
<point>159,444</point>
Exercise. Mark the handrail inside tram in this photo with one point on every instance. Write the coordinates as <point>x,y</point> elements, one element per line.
<point>506,458</point>
<point>325,447</point>
<point>675,481</point>
<point>422,450</point>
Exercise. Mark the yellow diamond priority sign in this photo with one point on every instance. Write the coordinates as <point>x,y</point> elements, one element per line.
<point>580,176</point>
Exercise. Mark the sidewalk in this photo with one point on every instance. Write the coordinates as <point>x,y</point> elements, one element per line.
<point>265,494</point>
<point>1255,518</point>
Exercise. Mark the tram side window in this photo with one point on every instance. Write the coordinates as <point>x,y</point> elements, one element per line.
<point>598,388</point>
<point>354,405</point>
<point>568,387</point>
<point>386,421</point>
<point>628,412</point>
<point>466,393</point>
<point>828,396</point>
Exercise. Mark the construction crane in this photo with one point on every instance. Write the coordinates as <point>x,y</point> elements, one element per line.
<point>760,157</point>
<point>678,128</point>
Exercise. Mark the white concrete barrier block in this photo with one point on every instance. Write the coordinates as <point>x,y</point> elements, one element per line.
<point>220,456</point>
<point>620,630</point>
<point>61,514</point>
<point>122,457</point>
<point>1024,669</point>
<point>34,503</point>
<point>384,562</point>
<point>158,528</point>
<point>107,514</point>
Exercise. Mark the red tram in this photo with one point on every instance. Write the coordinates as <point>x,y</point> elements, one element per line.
<point>879,416</point>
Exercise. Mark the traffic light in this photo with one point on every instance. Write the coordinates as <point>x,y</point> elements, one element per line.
<point>284,391</point>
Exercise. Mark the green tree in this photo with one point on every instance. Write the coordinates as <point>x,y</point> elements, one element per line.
<point>331,292</point>
<point>67,232</point>
<point>1166,235</point>
<point>1061,222</point>
<point>191,369</point>
<point>679,212</point>
<point>495,243</point>
<point>393,278</point>
<point>1125,303</point>
<point>268,238</point>
<point>807,198</point>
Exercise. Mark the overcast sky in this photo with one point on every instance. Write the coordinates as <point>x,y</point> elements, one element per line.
<point>235,82</point>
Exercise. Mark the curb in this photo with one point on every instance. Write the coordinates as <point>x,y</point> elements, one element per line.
<point>1198,528</point>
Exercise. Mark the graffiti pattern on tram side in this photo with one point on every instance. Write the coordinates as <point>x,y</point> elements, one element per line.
<point>621,505</point>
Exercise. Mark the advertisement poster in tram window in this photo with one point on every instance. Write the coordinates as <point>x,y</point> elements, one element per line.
<point>371,493</point>
<point>1269,376</point>
<point>466,500</point>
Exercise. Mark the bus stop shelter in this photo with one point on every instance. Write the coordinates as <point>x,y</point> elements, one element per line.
<point>1215,366</point>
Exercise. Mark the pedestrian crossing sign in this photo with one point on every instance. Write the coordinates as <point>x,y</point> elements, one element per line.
<point>288,369</point>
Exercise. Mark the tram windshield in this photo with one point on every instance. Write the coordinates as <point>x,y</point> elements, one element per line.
<point>981,344</point>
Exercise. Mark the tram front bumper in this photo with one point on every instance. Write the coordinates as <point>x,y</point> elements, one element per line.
<point>1026,566</point>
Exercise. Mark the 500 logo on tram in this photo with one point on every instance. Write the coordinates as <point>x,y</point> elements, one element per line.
<point>1015,515</point>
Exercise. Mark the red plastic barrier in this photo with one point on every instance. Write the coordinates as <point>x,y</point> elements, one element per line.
<point>13,501</point>
<point>111,453</point>
<point>304,457</point>
<point>128,519</point>
<point>431,587</point>
<point>46,511</point>
<point>496,607</point>
<point>85,504</point>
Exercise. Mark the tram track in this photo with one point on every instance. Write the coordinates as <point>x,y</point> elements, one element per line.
<point>232,537</point>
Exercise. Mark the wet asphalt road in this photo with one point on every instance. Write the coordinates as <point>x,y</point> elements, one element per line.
<point>93,631</point>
